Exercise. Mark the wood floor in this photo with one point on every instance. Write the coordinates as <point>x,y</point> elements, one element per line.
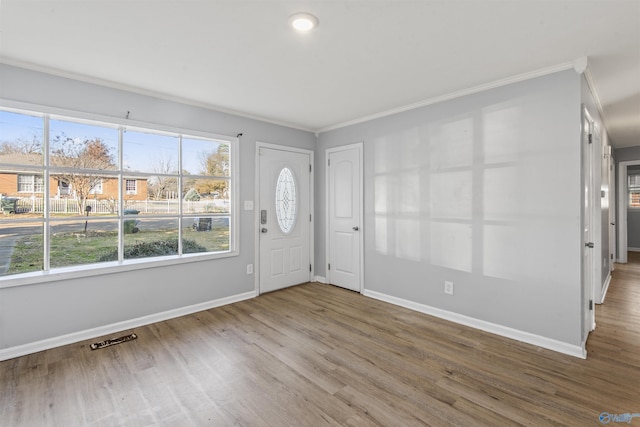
<point>317,355</point>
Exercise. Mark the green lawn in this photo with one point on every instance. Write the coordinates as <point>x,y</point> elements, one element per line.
<point>68,249</point>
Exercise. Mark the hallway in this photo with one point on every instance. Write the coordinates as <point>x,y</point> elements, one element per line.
<point>616,340</point>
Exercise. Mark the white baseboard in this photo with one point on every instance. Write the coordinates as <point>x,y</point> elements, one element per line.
<point>320,279</point>
<point>34,347</point>
<point>605,288</point>
<point>529,338</point>
<point>630,249</point>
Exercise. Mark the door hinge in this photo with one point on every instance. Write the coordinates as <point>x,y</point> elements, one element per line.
<point>329,267</point>
<point>310,268</point>
<point>328,162</point>
<point>590,138</point>
<point>611,256</point>
<point>309,167</point>
<point>590,304</point>
<point>309,217</point>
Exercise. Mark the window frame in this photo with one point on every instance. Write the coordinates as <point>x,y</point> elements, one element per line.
<point>126,186</point>
<point>97,188</point>
<point>33,184</point>
<point>633,189</point>
<point>114,267</point>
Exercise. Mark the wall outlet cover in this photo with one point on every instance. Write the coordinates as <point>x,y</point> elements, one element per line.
<point>448,287</point>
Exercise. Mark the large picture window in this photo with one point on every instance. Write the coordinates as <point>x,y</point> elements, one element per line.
<point>104,194</point>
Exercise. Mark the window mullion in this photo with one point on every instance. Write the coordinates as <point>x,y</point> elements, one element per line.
<point>180,217</point>
<point>121,130</point>
<point>45,196</point>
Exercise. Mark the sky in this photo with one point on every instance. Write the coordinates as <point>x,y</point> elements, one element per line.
<point>142,151</point>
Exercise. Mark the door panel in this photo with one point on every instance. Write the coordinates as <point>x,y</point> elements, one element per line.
<point>345,228</point>
<point>284,223</point>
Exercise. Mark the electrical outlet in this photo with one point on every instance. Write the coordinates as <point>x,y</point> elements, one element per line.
<point>448,287</point>
<point>248,205</point>
<point>249,268</point>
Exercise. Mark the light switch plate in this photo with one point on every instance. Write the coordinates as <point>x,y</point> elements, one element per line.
<point>248,205</point>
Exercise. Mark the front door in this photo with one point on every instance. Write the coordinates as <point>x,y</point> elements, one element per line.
<point>344,171</point>
<point>284,220</point>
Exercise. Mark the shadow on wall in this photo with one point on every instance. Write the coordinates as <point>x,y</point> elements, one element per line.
<point>464,193</point>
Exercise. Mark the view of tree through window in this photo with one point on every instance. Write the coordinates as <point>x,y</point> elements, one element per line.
<point>105,193</point>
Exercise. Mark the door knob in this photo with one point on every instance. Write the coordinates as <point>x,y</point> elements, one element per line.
<point>356,228</point>
<point>263,230</point>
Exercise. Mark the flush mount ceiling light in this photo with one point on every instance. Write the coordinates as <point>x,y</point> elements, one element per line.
<point>303,22</point>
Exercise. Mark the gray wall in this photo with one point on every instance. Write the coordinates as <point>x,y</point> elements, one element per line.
<point>627,154</point>
<point>633,229</point>
<point>484,191</point>
<point>29,313</point>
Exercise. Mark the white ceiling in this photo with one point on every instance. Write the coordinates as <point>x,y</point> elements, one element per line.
<point>364,59</point>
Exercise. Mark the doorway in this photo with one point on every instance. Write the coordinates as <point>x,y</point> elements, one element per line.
<point>345,238</point>
<point>283,218</point>
<point>622,223</point>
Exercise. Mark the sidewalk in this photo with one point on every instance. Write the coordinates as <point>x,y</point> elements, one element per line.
<point>6,250</point>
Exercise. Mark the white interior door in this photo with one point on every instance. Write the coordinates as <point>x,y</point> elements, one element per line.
<point>612,211</point>
<point>284,218</point>
<point>588,247</point>
<point>344,200</point>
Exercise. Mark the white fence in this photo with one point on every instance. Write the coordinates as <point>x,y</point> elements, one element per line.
<point>72,206</point>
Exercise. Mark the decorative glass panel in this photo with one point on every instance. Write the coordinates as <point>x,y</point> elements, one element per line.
<point>286,201</point>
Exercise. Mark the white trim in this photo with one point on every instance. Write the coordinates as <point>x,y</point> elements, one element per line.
<point>145,92</point>
<point>594,92</point>
<point>360,147</point>
<point>256,205</point>
<point>320,279</point>
<point>21,350</point>
<point>605,288</point>
<point>100,269</point>
<point>504,331</point>
<point>591,271</point>
<point>622,209</point>
<point>446,97</point>
<point>631,249</point>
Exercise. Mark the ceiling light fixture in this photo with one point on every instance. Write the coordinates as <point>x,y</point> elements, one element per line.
<point>303,22</point>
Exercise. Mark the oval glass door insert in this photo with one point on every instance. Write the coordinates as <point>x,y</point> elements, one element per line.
<point>286,201</point>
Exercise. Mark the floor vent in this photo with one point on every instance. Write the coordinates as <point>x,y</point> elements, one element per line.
<point>107,343</point>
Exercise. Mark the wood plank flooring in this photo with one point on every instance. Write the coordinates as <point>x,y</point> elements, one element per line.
<point>316,355</point>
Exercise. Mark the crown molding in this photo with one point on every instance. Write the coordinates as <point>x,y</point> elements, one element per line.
<point>145,92</point>
<point>457,94</point>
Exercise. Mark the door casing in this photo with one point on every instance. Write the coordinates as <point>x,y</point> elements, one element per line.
<point>621,223</point>
<point>589,217</point>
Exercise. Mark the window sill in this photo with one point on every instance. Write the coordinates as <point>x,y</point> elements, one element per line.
<point>78,272</point>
